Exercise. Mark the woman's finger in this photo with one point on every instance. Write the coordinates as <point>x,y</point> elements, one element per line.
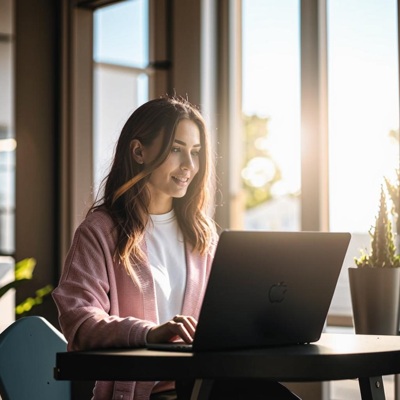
<point>180,327</point>
<point>189,323</point>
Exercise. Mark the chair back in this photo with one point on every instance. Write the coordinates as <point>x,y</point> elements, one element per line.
<point>28,350</point>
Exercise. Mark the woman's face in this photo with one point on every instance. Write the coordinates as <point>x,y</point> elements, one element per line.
<point>172,178</point>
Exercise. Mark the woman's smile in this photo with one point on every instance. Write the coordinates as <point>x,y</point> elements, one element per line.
<point>181,180</point>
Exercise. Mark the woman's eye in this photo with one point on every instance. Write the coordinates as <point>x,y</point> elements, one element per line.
<point>196,153</point>
<point>175,150</point>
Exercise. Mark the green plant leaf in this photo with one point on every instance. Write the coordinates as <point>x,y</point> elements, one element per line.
<point>24,268</point>
<point>23,271</point>
<point>31,302</point>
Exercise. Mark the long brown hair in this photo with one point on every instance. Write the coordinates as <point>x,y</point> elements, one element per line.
<point>126,197</point>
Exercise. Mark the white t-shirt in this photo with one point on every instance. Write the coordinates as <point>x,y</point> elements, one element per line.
<point>166,253</point>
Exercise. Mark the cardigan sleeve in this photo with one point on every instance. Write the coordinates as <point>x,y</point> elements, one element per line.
<point>83,294</point>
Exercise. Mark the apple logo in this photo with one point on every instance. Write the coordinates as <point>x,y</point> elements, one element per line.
<point>277,292</point>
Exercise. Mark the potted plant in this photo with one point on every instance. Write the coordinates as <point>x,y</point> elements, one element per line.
<point>375,281</point>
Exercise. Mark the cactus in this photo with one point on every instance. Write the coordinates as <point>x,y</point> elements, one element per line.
<point>393,188</point>
<point>383,247</point>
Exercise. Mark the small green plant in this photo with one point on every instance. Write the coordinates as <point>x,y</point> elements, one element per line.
<point>24,272</point>
<point>383,247</point>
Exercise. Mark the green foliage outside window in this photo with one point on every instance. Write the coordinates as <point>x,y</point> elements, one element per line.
<point>260,171</point>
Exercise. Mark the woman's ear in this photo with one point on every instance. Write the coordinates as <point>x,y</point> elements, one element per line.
<point>137,151</point>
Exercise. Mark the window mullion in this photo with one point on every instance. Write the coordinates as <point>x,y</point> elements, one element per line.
<point>314,116</point>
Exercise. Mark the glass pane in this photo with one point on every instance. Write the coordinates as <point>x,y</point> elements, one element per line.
<point>271,112</point>
<point>121,42</point>
<point>7,192</point>
<point>121,34</point>
<point>363,108</point>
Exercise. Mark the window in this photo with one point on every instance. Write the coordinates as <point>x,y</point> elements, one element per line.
<point>121,81</point>
<point>364,108</point>
<point>271,112</point>
<point>7,136</point>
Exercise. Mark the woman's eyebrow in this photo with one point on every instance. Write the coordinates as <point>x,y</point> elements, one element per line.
<point>181,142</point>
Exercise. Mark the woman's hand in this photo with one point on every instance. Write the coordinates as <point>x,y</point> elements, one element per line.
<point>180,327</point>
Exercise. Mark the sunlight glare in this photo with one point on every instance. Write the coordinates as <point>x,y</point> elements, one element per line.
<point>8,145</point>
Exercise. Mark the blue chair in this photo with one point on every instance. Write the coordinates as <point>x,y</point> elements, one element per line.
<point>28,350</point>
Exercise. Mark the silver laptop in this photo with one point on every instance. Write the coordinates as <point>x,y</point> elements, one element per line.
<point>268,289</point>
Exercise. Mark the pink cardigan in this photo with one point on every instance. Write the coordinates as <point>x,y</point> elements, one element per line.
<point>100,306</point>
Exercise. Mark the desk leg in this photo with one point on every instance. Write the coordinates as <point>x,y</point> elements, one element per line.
<point>372,388</point>
<point>201,389</point>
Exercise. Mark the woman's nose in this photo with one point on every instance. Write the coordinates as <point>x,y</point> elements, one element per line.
<point>188,162</point>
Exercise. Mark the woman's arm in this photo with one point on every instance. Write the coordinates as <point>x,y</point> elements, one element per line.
<point>98,304</point>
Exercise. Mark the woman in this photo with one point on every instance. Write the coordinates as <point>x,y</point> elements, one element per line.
<point>138,265</point>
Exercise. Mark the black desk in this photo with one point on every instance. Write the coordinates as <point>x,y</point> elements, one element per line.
<point>334,357</point>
